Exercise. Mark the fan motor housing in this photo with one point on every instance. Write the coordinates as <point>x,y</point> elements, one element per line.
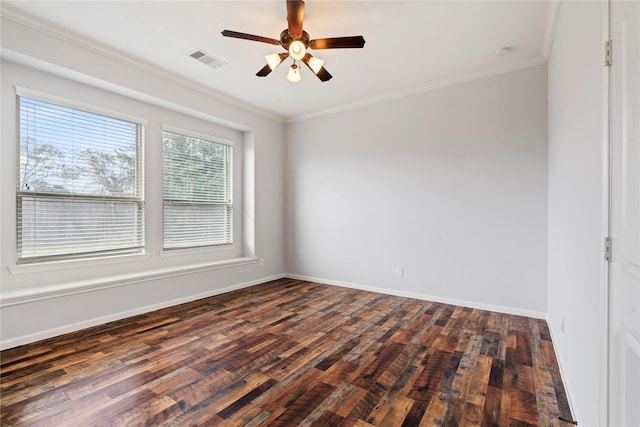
<point>286,39</point>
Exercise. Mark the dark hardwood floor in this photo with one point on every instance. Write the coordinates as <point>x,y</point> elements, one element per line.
<point>290,353</point>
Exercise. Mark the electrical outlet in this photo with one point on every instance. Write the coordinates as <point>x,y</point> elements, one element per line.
<point>399,271</point>
<point>261,262</point>
<point>562,325</point>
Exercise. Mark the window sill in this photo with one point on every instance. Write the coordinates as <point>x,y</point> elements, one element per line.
<point>30,295</point>
<point>38,267</point>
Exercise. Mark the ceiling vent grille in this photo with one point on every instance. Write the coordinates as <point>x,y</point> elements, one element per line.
<point>207,59</point>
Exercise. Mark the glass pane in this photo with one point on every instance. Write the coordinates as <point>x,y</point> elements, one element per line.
<point>64,150</point>
<point>195,169</point>
<point>196,225</point>
<point>54,225</point>
<point>197,190</point>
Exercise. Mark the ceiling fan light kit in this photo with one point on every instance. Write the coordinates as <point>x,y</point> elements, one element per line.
<point>297,42</point>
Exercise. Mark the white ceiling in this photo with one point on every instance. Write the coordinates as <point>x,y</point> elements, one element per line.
<point>410,45</point>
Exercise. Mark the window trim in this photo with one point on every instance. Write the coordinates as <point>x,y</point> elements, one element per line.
<point>71,103</point>
<point>195,134</point>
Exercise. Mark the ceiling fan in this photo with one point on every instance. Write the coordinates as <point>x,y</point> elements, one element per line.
<point>296,41</point>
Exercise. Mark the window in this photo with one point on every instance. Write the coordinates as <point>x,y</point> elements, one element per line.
<point>80,183</point>
<point>197,192</point>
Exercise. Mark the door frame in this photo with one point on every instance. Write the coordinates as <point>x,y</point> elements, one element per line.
<point>605,372</point>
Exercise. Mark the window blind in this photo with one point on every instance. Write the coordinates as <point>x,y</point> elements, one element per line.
<point>80,183</point>
<point>197,192</point>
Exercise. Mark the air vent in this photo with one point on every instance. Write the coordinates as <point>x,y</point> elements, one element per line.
<point>207,59</point>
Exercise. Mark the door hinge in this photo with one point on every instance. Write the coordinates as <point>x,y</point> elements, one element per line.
<point>607,53</point>
<point>607,249</point>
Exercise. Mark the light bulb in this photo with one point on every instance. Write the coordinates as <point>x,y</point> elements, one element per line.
<point>315,64</point>
<point>297,50</point>
<point>294,73</point>
<point>273,61</point>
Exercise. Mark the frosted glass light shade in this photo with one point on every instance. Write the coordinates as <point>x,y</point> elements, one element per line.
<point>273,60</point>
<point>294,73</point>
<point>315,64</point>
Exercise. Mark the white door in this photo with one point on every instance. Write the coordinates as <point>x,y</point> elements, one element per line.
<point>624,273</point>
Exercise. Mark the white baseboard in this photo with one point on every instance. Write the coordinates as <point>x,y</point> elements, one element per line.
<point>434,298</point>
<point>49,333</point>
<point>567,388</point>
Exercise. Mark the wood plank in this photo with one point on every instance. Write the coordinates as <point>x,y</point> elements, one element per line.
<point>491,412</point>
<point>303,405</point>
<point>471,416</point>
<point>479,381</point>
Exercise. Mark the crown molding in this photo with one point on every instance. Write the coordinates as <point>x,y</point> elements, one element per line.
<point>21,18</point>
<point>417,91</point>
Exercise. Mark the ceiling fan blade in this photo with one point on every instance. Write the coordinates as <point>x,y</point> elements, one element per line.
<point>264,71</point>
<point>244,36</point>
<point>322,73</point>
<point>295,16</point>
<point>337,43</point>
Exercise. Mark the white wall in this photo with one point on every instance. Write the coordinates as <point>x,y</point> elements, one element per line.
<point>449,184</point>
<point>576,235</point>
<point>45,300</point>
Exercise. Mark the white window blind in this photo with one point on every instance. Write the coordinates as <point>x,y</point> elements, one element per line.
<point>197,192</point>
<point>80,183</point>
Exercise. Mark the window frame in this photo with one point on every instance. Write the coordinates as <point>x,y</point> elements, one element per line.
<point>138,198</point>
<point>230,185</point>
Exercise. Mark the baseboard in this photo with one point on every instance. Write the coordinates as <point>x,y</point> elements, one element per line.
<point>434,298</point>
<point>567,388</point>
<point>49,333</point>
